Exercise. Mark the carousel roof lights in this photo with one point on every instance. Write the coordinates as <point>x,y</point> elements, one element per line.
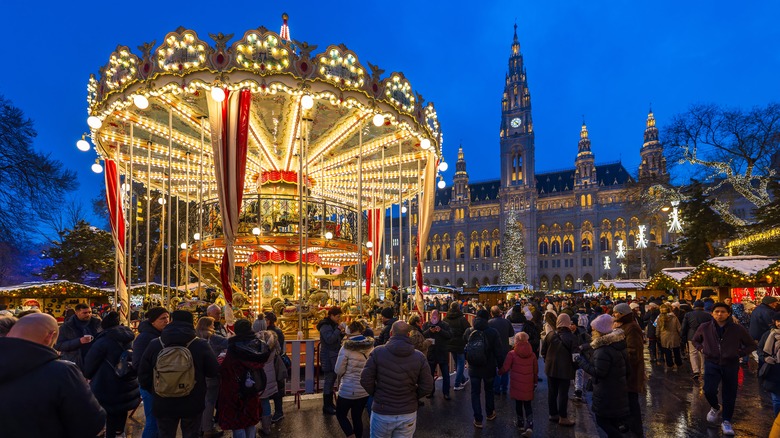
<point>307,102</point>
<point>284,32</point>
<point>94,122</point>
<point>378,120</point>
<point>140,101</point>
<point>443,166</point>
<point>217,93</point>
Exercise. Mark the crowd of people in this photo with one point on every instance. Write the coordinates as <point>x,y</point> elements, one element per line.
<point>87,374</point>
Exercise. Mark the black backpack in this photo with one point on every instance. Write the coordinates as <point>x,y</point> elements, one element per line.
<point>251,382</point>
<point>476,348</point>
<point>124,365</point>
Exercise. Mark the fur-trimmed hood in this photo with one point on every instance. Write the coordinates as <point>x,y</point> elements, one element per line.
<point>613,337</point>
<point>359,343</point>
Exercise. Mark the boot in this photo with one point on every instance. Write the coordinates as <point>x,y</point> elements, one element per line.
<point>520,422</point>
<point>265,422</point>
<point>529,431</point>
<point>327,405</point>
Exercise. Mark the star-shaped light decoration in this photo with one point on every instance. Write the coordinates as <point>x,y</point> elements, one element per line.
<point>674,222</point>
<point>621,250</point>
<point>641,241</point>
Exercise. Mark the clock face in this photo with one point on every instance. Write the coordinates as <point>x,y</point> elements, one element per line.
<point>515,122</point>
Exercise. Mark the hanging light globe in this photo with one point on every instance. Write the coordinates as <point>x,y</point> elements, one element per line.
<point>82,145</point>
<point>141,102</point>
<point>425,144</point>
<point>441,184</point>
<point>94,122</point>
<point>256,231</point>
<point>97,168</point>
<point>443,166</point>
<point>378,120</point>
<point>183,245</point>
<point>307,102</point>
<point>218,94</point>
<point>196,236</point>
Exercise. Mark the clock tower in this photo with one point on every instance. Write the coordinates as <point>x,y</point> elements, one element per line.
<point>517,129</point>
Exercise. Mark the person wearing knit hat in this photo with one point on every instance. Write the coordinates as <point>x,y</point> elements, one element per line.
<point>182,316</point>
<point>388,319</point>
<point>483,366</point>
<point>117,395</point>
<point>761,318</point>
<point>602,324</point>
<point>557,349</point>
<point>621,309</point>
<point>635,380</point>
<point>148,330</point>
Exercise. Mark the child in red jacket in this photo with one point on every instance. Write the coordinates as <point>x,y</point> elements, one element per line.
<point>523,367</point>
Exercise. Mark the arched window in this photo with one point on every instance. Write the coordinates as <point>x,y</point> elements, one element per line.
<point>544,283</point>
<point>461,252</point>
<point>556,282</point>
<point>498,251</point>
<point>555,247</point>
<point>428,254</point>
<point>543,249</point>
<point>604,243</point>
<point>587,279</point>
<point>487,251</point>
<point>586,243</point>
<point>568,246</point>
<point>476,252</point>
<point>438,253</point>
<point>447,253</point>
<point>568,282</point>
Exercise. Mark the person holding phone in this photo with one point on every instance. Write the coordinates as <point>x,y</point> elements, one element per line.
<point>77,334</point>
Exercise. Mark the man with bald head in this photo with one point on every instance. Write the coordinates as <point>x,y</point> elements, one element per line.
<point>45,397</point>
<point>396,375</point>
<point>215,312</point>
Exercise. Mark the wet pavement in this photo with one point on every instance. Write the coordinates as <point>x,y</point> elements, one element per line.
<point>673,407</point>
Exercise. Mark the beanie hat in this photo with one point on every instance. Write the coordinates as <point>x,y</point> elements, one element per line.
<point>563,321</point>
<point>622,309</point>
<point>154,313</point>
<point>602,324</point>
<point>550,307</point>
<point>182,316</point>
<point>242,327</point>
<point>768,299</point>
<point>708,305</point>
<point>698,303</point>
<point>110,320</point>
<point>387,312</point>
<point>483,313</point>
<point>634,305</point>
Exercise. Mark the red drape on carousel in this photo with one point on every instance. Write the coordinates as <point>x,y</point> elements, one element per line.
<point>229,132</point>
<point>376,231</point>
<point>117,220</point>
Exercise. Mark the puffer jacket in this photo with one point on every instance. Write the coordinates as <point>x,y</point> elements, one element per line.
<point>557,351</point>
<point>668,330</point>
<point>458,325</point>
<point>115,394</point>
<point>691,322</point>
<point>69,340</point>
<point>396,375</point>
<point>635,346</point>
<point>146,334</point>
<point>608,366</point>
<point>438,351</point>
<point>330,343</point>
<point>494,356</point>
<point>523,369</point>
<point>237,412</point>
<point>352,358</point>
<point>761,320</point>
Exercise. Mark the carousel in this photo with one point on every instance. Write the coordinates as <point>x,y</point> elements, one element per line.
<point>274,159</point>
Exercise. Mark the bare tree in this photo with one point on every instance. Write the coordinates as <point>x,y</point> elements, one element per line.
<point>731,147</point>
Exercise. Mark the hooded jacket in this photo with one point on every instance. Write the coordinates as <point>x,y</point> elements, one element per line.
<point>44,397</point>
<point>608,366</point>
<point>557,351</point>
<point>146,333</point>
<point>352,358</point>
<point>523,369</point>
<point>761,320</point>
<point>635,346</point>
<point>69,340</point>
<point>691,322</point>
<point>396,375</point>
<point>235,411</point>
<point>204,362</point>
<point>735,343</point>
<point>115,394</point>
<point>668,330</point>
<point>439,349</point>
<point>330,343</point>
<point>458,325</point>
<point>494,356</point>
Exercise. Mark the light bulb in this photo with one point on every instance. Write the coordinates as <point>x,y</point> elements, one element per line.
<point>161,201</point>
<point>196,236</point>
<point>403,209</point>
<point>82,145</point>
<point>369,244</point>
<point>443,166</point>
<point>379,120</point>
<point>141,101</point>
<point>218,94</point>
<point>441,184</point>
<point>256,231</point>
<point>328,235</point>
<point>307,102</point>
<point>183,245</point>
<point>425,143</point>
<point>94,122</point>
<point>97,168</point>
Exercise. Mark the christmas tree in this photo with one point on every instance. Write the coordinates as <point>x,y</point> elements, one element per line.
<point>513,257</point>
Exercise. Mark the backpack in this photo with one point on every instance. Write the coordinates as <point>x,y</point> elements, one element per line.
<point>124,365</point>
<point>174,372</point>
<point>251,382</point>
<point>476,348</point>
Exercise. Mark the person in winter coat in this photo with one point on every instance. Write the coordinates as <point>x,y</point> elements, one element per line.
<point>349,365</point>
<point>43,396</point>
<point>722,342</point>
<point>387,319</point>
<point>691,322</point>
<point>505,333</point>
<point>652,339</point>
<point>206,331</point>
<point>419,341</point>
<point>403,377</point>
<point>117,395</point>
<point>483,373</point>
<point>77,334</point>
<point>331,331</point>
<point>557,350</point>
<point>522,365</point>
<point>761,318</point>
<point>582,338</point>
<point>668,331</point>
<point>769,352</point>
<point>521,323</point>
<point>438,352</point>
<point>270,319</point>
<point>625,319</point>
<point>605,359</point>
<point>458,326</point>
<point>275,375</point>
<point>187,410</point>
<point>148,330</point>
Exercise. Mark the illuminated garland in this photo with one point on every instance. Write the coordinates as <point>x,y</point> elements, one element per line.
<point>662,281</point>
<point>709,275</point>
<point>751,239</point>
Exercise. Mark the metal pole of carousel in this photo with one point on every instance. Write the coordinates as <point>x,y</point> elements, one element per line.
<point>359,265</point>
<point>130,218</point>
<point>186,241</point>
<point>411,247</point>
<point>400,236</point>
<point>302,145</point>
<point>169,200</point>
<point>200,210</point>
<point>148,210</point>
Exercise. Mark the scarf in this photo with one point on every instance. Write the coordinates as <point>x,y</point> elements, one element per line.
<point>772,346</point>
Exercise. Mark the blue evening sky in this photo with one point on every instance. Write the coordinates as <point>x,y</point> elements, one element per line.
<point>606,60</point>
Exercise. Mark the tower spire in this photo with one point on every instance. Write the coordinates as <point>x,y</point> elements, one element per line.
<point>285,31</point>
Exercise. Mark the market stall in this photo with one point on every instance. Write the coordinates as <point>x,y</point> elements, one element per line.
<point>748,277</point>
<point>622,288</point>
<point>53,297</point>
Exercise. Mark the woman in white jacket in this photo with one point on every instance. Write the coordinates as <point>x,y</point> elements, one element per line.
<point>352,397</point>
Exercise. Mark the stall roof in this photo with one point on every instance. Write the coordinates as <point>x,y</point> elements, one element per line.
<point>506,288</point>
<point>620,284</point>
<point>678,274</point>
<point>747,265</point>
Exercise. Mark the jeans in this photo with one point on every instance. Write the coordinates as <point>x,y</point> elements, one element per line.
<point>667,353</point>
<point>558,396</point>
<point>653,346</point>
<point>714,374</point>
<point>500,383</point>
<point>190,427</point>
<point>265,406</point>
<point>775,402</point>
<point>579,380</point>
<point>609,425</point>
<point>150,428</point>
<point>696,358</point>
<point>393,426</point>
<point>444,367</point>
<point>330,380</point>
<point>635,417</point>
<point>460,367</point>
<point>115,424</point>
<point>212,391</point>
<point>249,432</point>
<point>476,403</point>
<point>356,406</point>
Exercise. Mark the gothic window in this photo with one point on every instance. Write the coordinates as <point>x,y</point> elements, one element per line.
<point>487,251</point>
<point>438,253</point>
<point>568,245</point>
<point>519,168</point>
<point>555,247</point>
<point>498,250</point>
<point>428,253</point>
<point>543,248</point>
<point>476,251</point>
<point>447,253</point>
<point>604,242</point>
<point>631,241</point>
<point>556,282</point>
<point>568,282</point>
<point>586,243</point>
<point>544,284</point>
